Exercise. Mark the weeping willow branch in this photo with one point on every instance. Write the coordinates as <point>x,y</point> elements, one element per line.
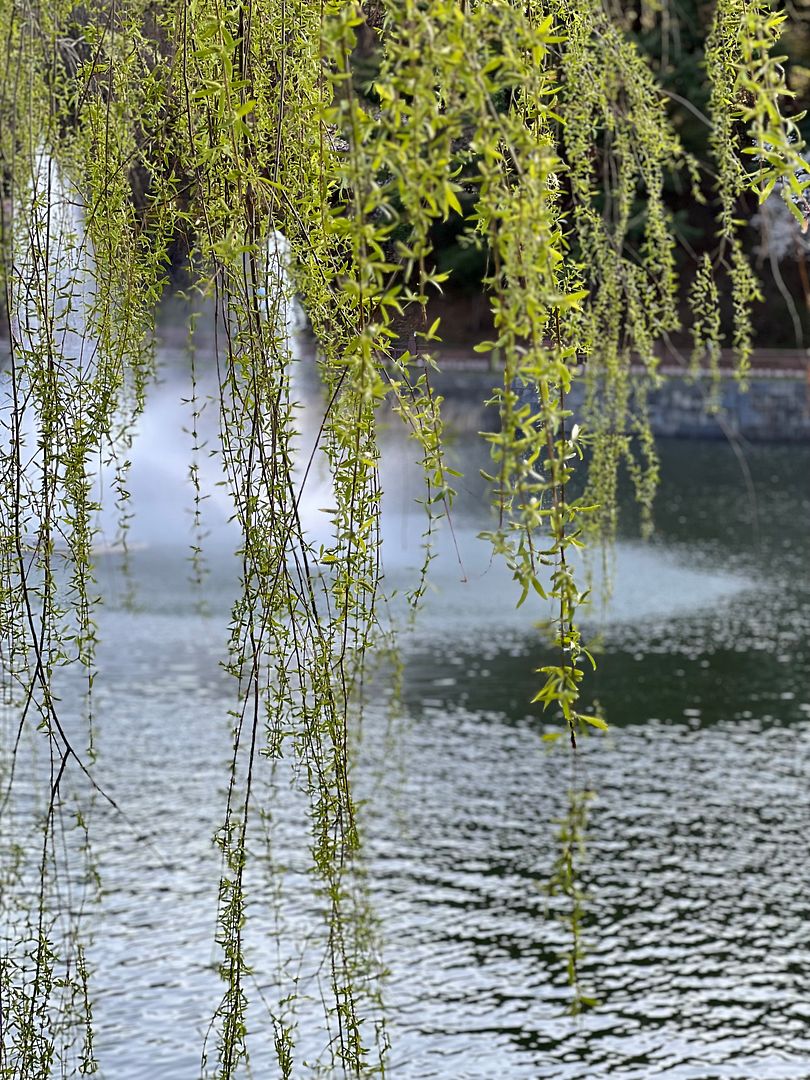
<point>240,132</point>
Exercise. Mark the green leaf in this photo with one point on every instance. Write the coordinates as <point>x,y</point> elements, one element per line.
<point>791,205</point>
<point>452,200</point>
<point>594,721</point>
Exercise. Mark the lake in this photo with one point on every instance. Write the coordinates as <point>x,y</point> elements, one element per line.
<point>695,864</point>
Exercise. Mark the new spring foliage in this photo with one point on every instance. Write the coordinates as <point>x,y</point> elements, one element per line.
<point>241,134</point>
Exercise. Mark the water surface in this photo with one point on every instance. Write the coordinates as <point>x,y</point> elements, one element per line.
<point>696,864</point>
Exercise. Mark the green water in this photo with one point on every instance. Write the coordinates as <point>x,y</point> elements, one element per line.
<point>696,863</point>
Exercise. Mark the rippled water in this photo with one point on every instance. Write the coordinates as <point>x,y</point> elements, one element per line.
<point>696,863</point>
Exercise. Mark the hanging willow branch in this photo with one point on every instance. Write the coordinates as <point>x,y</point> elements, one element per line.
<point>237,138</point>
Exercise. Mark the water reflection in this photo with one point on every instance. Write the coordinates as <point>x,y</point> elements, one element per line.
<point>697,861</point>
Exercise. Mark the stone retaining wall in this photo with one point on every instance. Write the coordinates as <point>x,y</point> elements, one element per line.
<point>775,407</point>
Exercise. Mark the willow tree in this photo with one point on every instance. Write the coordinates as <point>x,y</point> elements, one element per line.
<point>240,132</point>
